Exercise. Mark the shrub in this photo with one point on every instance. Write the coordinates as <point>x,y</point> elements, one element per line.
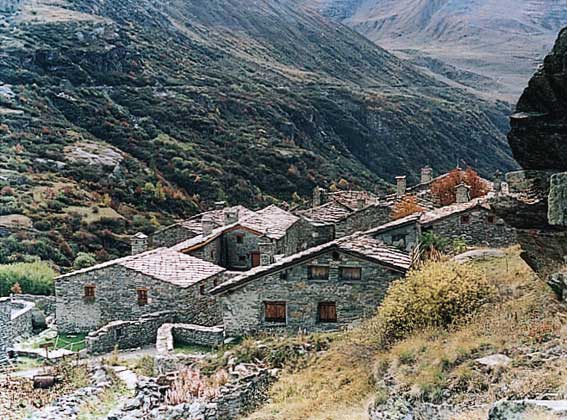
<point>440,293</point>
<point>84,260</point>
<point>33,278</point>
<point>405,207</point>
<point>444,189</point>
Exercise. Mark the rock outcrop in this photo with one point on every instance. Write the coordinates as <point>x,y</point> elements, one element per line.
<point>537,206</point>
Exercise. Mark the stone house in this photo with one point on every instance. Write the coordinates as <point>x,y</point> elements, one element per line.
<point>336,219</point>
<point>323,288</point>
<point>127,288</point>
<point>190,228</point>
<point>241,244</point>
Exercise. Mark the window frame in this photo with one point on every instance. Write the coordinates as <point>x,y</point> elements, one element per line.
<point>343,278</point>
<point>327,304</point>
<point>89,293</point>
<point>491,219</point>
<point>465,219</point>
<point>310,275</point>
<point>202,289</point>
<point>275,320</point>
<point>239,238</point>
<point>142,296</point>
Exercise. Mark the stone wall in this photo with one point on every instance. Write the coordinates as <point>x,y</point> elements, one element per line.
<point>478,232</point>
<point>197,334</point>
<point>116,299</point>
<point>128,334</point>
<point>22,323</point>
<point>312,234</point>
<point>45,304</point>
<point>169,236</point>
<point>5,329</point>
<point>243,308</point>
<point>404,237</point>
<point>362,220</point>
<point>10,6</point>
<point>239,253</point>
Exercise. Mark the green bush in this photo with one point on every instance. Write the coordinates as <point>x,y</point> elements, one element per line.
<point>440,293</point>
<point>34,278</point>
<point>84,260</point>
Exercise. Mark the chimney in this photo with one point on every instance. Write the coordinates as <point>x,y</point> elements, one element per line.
<point>139,243</point>
<point>266,249</point>
<point>426,175</point>
<point>207,224</point>
<point>401,185</point>
<point>498,182</point>
<point>360,203</point>
<point>219,205</point>
<point>230,216</point>
<point>463,193</point>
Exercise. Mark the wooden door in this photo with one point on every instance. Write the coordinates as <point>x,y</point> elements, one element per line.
<point>255,258</point>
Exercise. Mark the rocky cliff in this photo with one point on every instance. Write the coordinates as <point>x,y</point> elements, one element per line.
<point>538,205</point>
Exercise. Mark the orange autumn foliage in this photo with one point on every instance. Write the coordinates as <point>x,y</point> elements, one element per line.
<point>406,206</point>
<point>444,189</point>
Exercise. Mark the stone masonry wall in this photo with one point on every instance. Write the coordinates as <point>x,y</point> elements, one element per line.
<point>116,300</point>
<point>313,235</point>
<point>44,303</point>
<point>236,251</point>
<point>404,237</point>
<point>361,220</point>
<point>479,232</point>
<point>5,329</point>
<point>197,334</point>
<point>243,308</point>
<point>169,236</point>
<point>128,334</point>
<point>22,325</point>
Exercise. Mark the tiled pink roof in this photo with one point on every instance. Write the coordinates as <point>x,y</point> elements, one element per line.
<point>358,243</point>
<point>162,264</point>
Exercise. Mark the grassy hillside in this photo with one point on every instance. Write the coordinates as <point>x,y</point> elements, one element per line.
<point>437,365</point>
<point>118,116</point>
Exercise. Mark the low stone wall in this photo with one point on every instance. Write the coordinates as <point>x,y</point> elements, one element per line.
<point>247,389</point>
<point>5,329</point>
<point>197,334</point>
<point>44,303</point>
<point>22,324</point>
<point>128,334</point>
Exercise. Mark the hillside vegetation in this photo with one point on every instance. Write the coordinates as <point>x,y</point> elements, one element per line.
<point>118,116</point>
<point>434,360</point>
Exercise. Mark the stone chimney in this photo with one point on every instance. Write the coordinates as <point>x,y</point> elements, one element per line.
<point>463,193</point>
<point>401,185</point>
<point>230,216</point>
<point>219,205</point>
<point>266,249</point>
<point>207,224</point>
<point>317,196</point>
<point>139,243</point>
<point>497,182</point>
<point>426,175</point>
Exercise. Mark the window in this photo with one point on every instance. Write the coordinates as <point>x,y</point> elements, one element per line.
<point>90,292</point>
<point>118,333</point>
<point>202,289</point>
<point>142,297</point>
<point>350,273</point>
<point>275,312</point>
<point>491,219</point>
<point>239,239</point>
<point>327,312</point>
<point>241,258</point>
<point>215,282</point>
<point>465,219</point>
<point>317,272</point>
<point>283,275</point>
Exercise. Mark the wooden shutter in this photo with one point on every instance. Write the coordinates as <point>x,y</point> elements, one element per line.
<point>275,312</point>
<point>142,297</point>
<point>351,273</point>
<point>90,292</point>
<point>327,312</point>
<point>318,272</point>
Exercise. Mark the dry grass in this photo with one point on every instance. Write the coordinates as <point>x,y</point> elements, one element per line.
<point>524,318</point>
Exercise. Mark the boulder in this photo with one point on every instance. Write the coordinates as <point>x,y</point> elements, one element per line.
<point>557,203</point>
<point>494,361</point>
<point>528,409</point>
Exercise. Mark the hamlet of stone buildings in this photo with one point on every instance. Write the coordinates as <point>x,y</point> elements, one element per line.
<point>232,271</point>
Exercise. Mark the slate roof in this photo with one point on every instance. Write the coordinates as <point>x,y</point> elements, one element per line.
<point>328,213</point>
<point>359,244</point>
<point>272,221</point>
<point>162,264</point>
<point>217,216</point>
<point>433,216</point>
<point>350,198</point>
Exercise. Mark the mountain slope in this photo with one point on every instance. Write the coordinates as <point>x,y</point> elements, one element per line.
<point>149,109</point>
<point>503,40</point>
